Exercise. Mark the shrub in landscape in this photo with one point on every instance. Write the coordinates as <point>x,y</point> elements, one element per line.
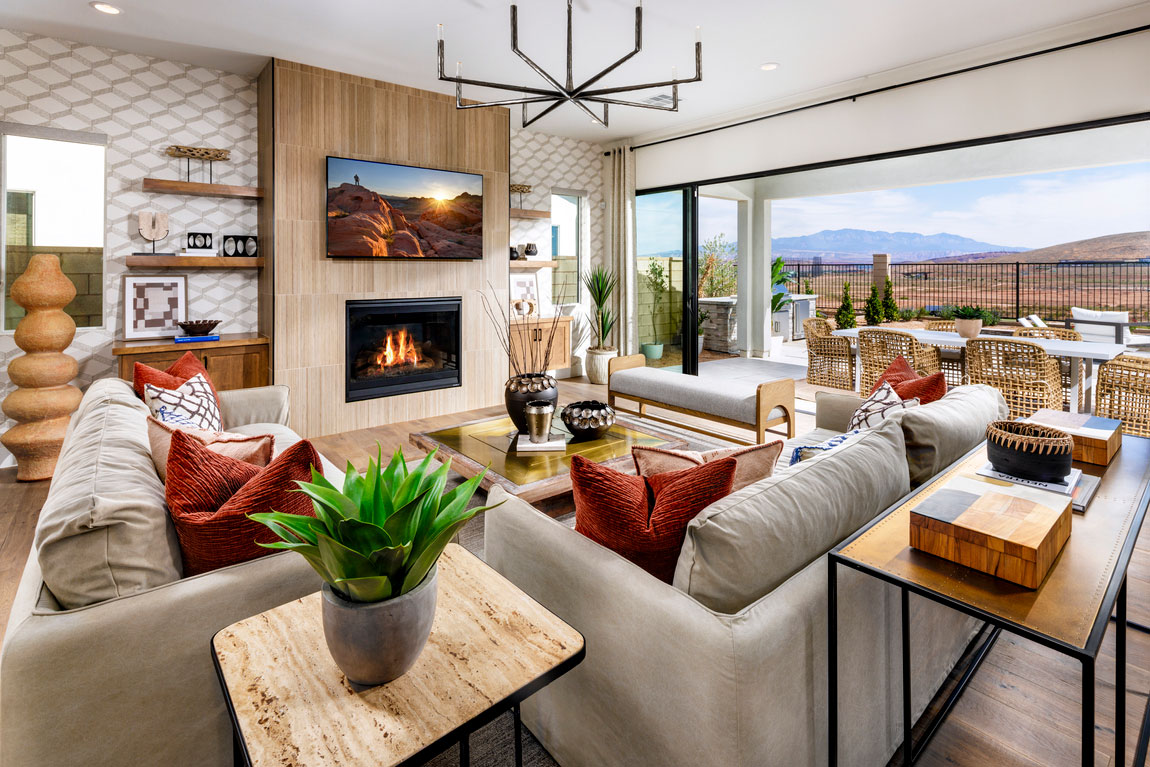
<point>845,316</point>
<point>889,305</point>
<point>872,309</point>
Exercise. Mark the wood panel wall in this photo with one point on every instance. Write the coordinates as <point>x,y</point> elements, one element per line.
<point>312,113</point>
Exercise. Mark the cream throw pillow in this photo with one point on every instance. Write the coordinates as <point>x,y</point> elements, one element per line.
<point>878,406</point>
<point>254,449</point>
<point>193,405</point>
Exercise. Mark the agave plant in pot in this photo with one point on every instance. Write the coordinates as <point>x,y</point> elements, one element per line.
<point>968,321</point>
<point>376,544</point>
<point>600,283</point>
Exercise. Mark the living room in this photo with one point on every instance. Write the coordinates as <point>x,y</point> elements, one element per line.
<point>626,476</point>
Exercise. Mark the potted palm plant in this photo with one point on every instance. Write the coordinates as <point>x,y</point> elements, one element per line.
<point>968,321</point>
<point>600,283</point>
<point>376,544</point>
<point>780,304</point>
<point>656,278</point>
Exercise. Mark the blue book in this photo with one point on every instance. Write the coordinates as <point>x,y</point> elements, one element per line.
<point>190,339</point>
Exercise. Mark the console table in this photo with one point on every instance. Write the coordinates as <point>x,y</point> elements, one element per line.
<point>236,361</point>
<point>1069,612</point>
<point>491,646</point>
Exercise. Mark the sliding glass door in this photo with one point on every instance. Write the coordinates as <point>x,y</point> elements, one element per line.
<point>665,285</point>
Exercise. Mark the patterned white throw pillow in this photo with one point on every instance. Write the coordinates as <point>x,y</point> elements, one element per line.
<point>878,406</point>
<point>192,406</point>
<point>803,452</point>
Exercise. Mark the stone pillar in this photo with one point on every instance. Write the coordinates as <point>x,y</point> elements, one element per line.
<point>880,271</point>
<point>44,400</point>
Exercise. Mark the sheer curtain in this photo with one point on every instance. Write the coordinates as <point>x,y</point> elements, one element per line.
<point>619,182</point>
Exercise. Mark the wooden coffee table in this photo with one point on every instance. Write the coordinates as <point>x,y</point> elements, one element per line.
<point>477,445</point>
<point>1069,612</point>
<point>491,647</point>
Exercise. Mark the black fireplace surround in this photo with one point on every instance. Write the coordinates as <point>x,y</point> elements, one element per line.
<point>402,346</point>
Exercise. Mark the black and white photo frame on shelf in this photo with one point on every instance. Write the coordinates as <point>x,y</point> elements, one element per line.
<point>240,245</point>
<point>200,243</point>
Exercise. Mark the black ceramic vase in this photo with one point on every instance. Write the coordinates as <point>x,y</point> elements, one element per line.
<point>588,420</point>
<point>1029,451</point>
<point>521,389</point>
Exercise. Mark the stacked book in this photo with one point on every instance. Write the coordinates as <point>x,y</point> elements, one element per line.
<point>1080,487</point>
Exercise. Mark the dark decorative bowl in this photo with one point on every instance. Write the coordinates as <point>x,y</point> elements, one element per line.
<point>1029,451</point>
<point>199,327</point>
<point>588,420</point>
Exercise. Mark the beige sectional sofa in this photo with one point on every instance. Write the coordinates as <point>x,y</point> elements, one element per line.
<point>727,665</point>
<point>124,675</point>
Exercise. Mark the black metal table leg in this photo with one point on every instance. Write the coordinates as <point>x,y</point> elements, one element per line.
<point>1087,712</point>
<point>832,664</point>
<point>518,736</point>
<point>465,751</point>
<point>1120,679</point>
<point>907,724</point>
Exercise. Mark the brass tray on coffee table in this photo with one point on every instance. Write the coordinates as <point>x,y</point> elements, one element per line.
<point>533,477</point>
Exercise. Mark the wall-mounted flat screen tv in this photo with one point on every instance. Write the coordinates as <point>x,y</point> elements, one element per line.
<point>381,210</point>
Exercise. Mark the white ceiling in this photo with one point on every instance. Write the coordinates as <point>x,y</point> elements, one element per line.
<point>819,43</point>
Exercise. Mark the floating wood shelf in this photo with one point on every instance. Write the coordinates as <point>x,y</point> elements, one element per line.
<point>196,262</point>
<point>529,265</point>
<point>524,213</point>
<point>196,189</point>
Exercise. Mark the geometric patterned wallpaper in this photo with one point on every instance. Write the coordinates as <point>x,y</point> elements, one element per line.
<point>142,105</point>
<point>546,162</point>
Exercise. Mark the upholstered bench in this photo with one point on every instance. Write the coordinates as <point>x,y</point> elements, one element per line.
<point>736,403</point>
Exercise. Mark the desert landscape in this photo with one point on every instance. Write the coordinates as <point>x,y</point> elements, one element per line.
<point>365,224</point>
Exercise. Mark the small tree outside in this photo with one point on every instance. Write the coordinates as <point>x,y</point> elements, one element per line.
<point>845,316</point>
<point>656,278</point>
<point>718,268</point>
<point>872,309</point>
<point>889,305</point>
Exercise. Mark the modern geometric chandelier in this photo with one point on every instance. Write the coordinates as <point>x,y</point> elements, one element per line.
<point>580,95</point>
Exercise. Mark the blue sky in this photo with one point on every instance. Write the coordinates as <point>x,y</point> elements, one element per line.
<point>1027,211</point>
<point>402,180</point>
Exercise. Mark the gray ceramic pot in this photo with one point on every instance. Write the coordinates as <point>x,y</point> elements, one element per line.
<point>377,642</point>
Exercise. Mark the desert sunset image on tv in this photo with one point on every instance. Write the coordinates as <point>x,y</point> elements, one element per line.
<point>380,210</point>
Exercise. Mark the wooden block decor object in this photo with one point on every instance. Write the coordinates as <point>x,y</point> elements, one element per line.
<point>44,400</point>
<point>1009,531</point>
<point>198,153</point>
<point>1096,439</point>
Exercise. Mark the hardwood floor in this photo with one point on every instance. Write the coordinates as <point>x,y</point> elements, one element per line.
<point>1020,710</point>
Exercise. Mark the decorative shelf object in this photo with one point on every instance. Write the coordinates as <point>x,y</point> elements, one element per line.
<point>527,265</point>
<point>197,189</point>
<point>195,262</point>
<point>525,213</point>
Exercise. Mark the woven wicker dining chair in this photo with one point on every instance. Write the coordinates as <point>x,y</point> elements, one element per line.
<point>952,358</point>
<point>1027,376</point>
<point>830,359</point>
<point>878,348</point>
<point>1124,393</point>
<point>1061,334</point>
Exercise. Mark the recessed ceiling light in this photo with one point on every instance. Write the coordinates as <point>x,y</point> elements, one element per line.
<point>769,66</point>
<point>107,8</point>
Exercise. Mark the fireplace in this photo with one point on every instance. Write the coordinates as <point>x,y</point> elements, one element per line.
<point>401,346</point>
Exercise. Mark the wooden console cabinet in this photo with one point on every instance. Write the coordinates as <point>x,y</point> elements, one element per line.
<point>236,361</point>
<point>529,341</point>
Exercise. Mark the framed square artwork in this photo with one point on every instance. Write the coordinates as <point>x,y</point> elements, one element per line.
<point>525,287</point>
<point>153,304</point>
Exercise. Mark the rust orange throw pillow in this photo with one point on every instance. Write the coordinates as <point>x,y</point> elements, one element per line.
<point>180,372</point>
<point>641,519</point>
<point>908,384</point>
<point>210,495</point>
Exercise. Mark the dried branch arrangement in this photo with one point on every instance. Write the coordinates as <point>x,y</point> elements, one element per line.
<point>537,359</point>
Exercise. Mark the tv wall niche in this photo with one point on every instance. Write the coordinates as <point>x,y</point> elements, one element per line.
<point>388,210</point>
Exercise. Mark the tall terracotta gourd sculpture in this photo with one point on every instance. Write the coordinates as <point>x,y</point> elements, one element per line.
<point>44,400</point>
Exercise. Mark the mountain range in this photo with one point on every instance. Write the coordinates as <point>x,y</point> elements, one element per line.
<point>832,244</point>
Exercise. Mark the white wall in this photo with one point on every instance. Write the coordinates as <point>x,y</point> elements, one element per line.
<point>1087,83</point>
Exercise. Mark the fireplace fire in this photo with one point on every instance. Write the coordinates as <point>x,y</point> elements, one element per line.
<point>401,346</point>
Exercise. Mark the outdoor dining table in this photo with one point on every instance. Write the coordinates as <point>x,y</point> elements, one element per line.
<point>1076,351</point>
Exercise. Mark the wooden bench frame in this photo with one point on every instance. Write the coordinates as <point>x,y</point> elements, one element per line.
<point>770,395</point>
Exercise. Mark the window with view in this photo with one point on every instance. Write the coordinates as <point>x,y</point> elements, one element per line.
<point>566,242</point>
<point>54,203</point>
